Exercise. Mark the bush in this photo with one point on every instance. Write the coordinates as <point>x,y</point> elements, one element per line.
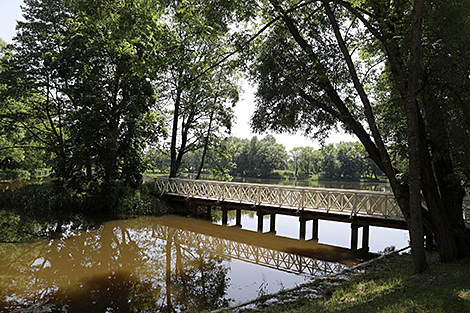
<point>140,202</point>
<point>15,174</point>
<point>40,209</point>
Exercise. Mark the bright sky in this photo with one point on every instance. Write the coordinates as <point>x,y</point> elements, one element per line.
<point>10,12</point>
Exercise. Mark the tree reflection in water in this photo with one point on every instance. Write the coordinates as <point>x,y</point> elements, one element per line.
<point>119,267</point>
<point>200,280</point>
<point>148,264</point>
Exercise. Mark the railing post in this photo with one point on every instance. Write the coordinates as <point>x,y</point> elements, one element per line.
<point>353,209</point>
<point>329,201</point>
<point>302,200</point>
<point>257,202</point>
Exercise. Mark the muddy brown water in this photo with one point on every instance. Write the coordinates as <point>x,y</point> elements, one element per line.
<point>160,264</point>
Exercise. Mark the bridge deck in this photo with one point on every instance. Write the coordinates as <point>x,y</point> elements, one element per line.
<point>338,204</point>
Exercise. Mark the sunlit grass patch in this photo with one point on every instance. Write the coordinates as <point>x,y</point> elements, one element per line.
<point>464,294</point>
<point>389,285</point>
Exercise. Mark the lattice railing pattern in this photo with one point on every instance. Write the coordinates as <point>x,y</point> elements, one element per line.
<point>343,201</point>
<point>352,202</point>
<point>280,260</point>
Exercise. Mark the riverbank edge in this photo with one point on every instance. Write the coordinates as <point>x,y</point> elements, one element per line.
<point>383,284</point>
<point>312,286</point>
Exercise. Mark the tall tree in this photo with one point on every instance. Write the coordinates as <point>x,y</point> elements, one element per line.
<point>313,80</point>
<point>198,96</point>
<point>82,73</point>
<point>259,158</point>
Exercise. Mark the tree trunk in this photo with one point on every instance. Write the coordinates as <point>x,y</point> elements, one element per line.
<point>174,134</point>
<point>412,118</point>
<point>206,144</point>
<point>444,203</point>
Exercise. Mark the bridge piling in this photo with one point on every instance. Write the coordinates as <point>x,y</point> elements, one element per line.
<point>224,216</point>
<point>365,238</point>
<point>272,223</point>
<point>355,236</point>
<point>209,213</point>
<point>260,221</point>
<point>315,229</point>
<point>238,218</point>
<point>302,227</point>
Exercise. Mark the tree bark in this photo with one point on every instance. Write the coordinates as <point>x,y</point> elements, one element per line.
<point>442,192</point>
<point>174,134</point>
<point>343,114</point>
<point>206,145</point>
<point>412,113</point>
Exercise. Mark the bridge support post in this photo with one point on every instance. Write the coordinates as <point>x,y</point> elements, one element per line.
<point>354,235</point>
<point>272,223</point>
<point>365,238</point>
<point>209,213</point>
<point>260,221</point>
<point>315,229</point>
<point>302,227</point>
<point>224,216</point>
<point>238,218</point>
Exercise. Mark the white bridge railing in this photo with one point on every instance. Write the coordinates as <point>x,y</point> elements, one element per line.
<point>339,201</point>
<point>342,201</point>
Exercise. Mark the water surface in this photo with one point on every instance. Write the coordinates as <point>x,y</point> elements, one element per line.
<point>157,265</point>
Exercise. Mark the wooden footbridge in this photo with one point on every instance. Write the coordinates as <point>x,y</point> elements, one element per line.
<point>361,208</point>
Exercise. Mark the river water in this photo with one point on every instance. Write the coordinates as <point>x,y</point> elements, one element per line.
<point>162,264</point>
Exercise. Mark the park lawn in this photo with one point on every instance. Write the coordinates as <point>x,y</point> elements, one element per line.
<point>385,285</point>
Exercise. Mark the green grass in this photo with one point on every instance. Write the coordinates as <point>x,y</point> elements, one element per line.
<point>388,285</point>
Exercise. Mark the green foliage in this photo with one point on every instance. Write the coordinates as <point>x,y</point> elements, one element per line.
<point>140,202</point>
<point>347,161</point>
<point>267,159</point>
<point>258,158</point>
<point>198,96</point>
<point>445,97</point>
<point>287,78</point>
<point>15,174</point>
<point>83,91</point>
<point>38,209</point>
<point>304,161</point>
<point>14,229</point>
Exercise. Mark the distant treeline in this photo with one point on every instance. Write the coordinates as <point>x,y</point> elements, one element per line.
<point>265,158</point>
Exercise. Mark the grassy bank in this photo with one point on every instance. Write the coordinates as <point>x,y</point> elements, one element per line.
<point>384,285</point>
